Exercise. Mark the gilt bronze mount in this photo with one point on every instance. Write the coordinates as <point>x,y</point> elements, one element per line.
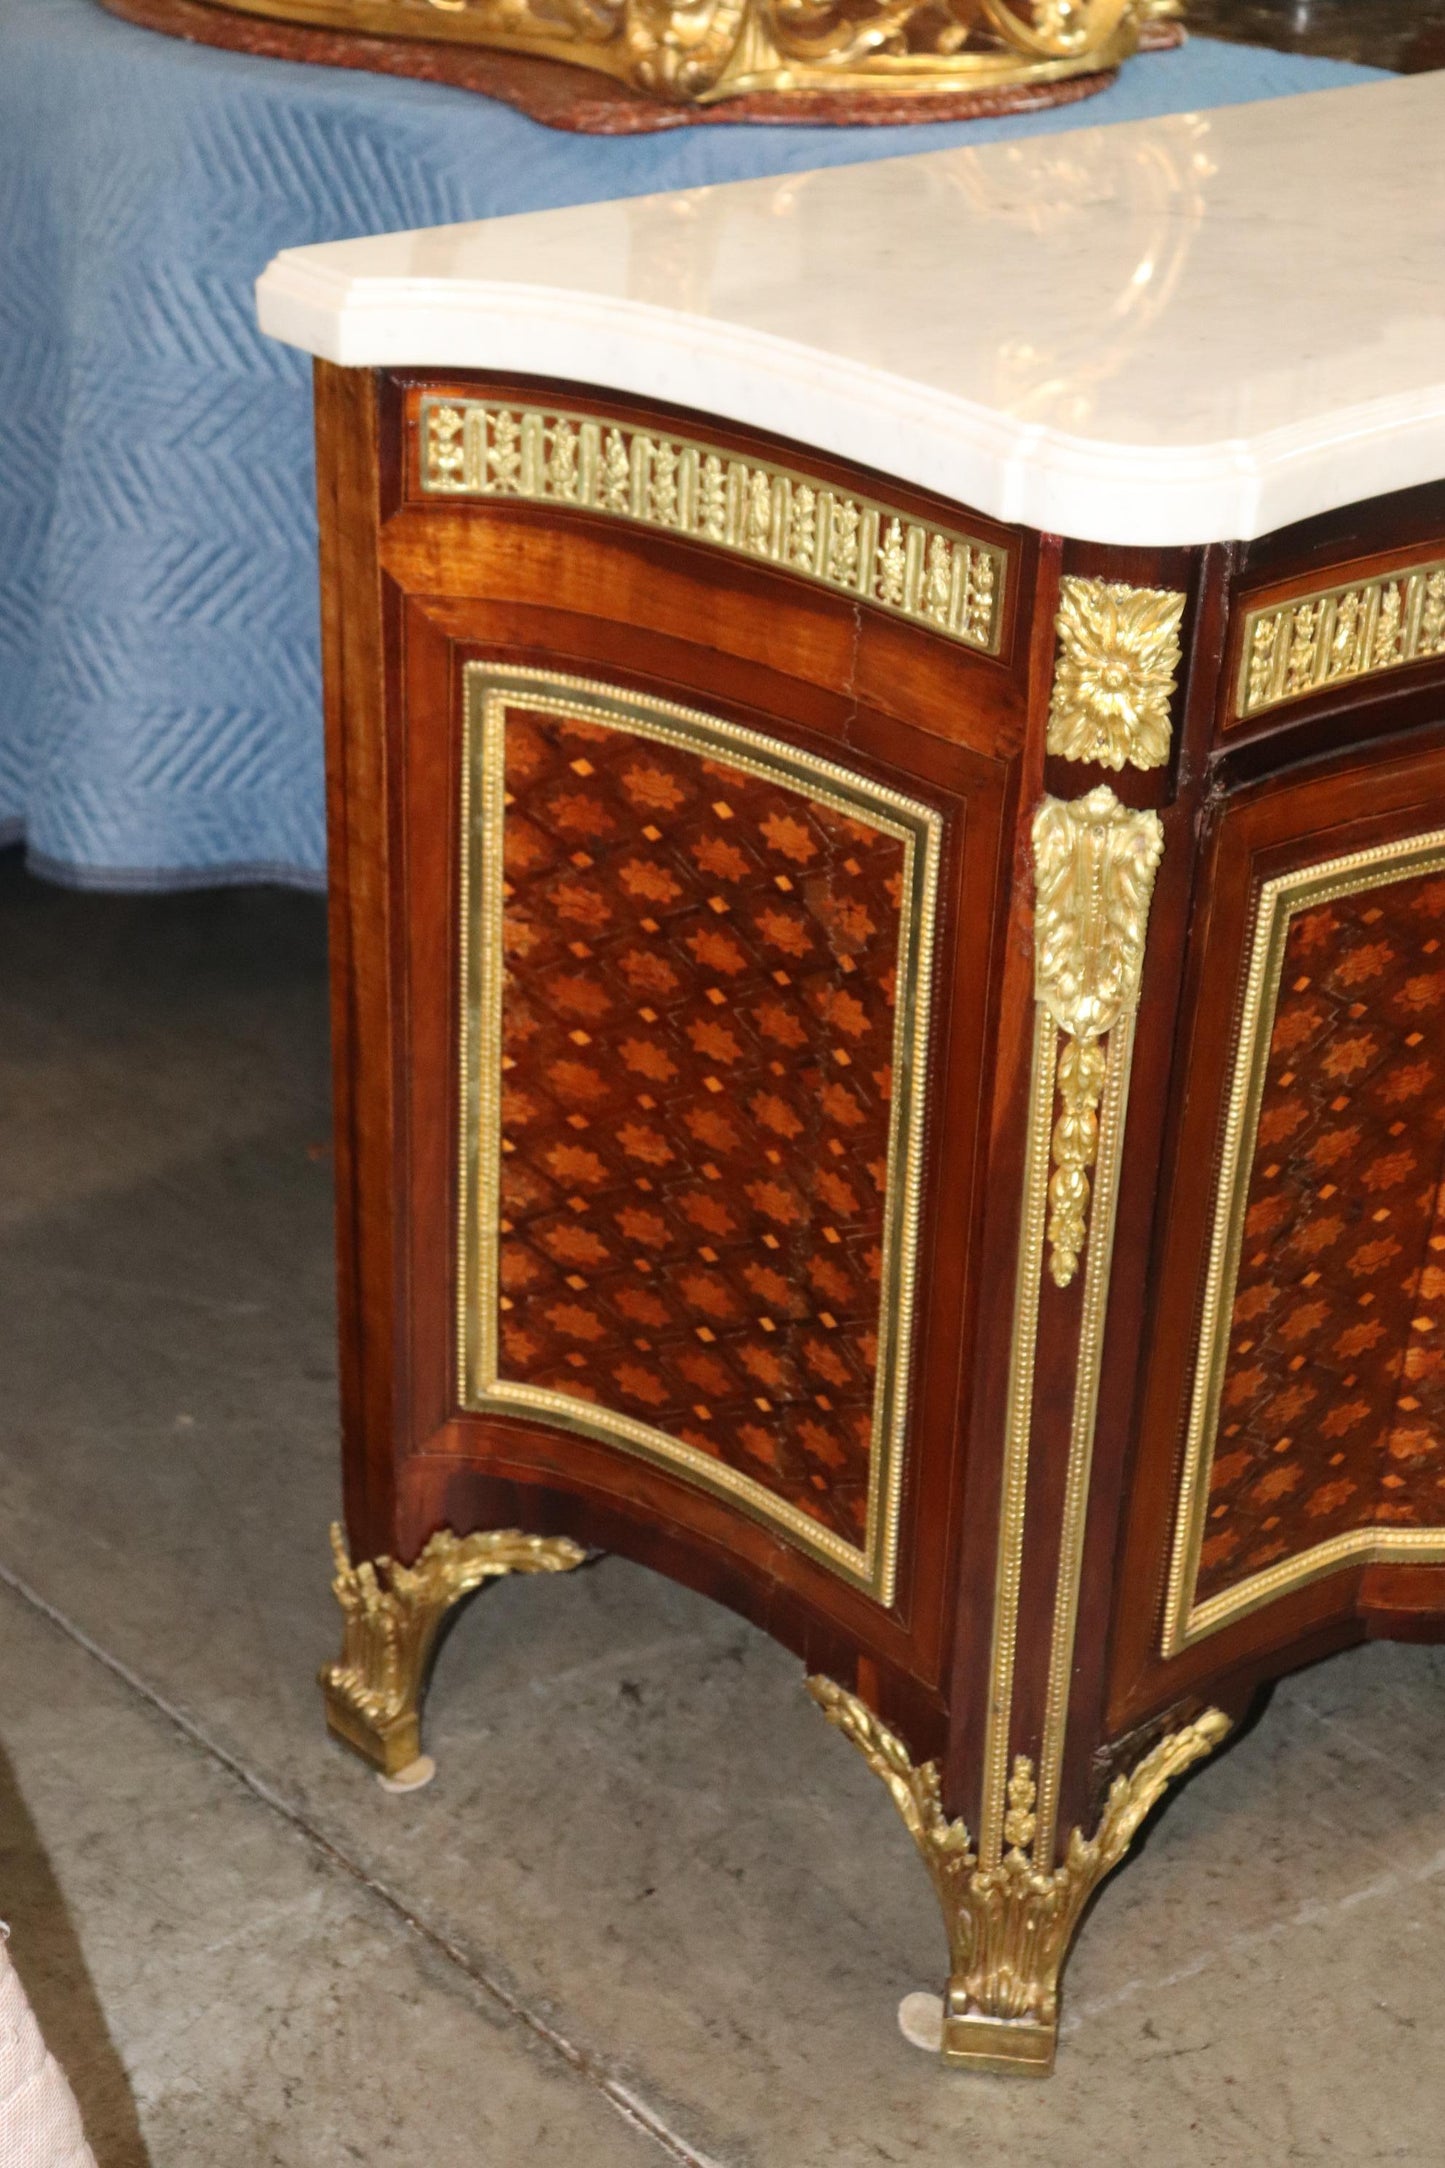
<point>1010,1923</point>
<point>393,1613</point>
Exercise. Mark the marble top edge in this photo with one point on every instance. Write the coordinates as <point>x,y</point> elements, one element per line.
<point>1195,328</point>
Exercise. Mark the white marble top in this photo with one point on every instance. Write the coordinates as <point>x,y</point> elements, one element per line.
<point>1181,330</point>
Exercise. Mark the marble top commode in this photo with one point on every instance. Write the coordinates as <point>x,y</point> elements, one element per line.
<point>1190,329</point>
<point>890,922</point>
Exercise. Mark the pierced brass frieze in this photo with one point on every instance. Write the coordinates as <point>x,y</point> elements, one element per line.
<point>1010,1925</point>
<point>392,1613</point>
<point>1114,677</point>
<point>695,52</point>
<point>1094,866</point>
<point>1339,634</point>
<point>934,576</point>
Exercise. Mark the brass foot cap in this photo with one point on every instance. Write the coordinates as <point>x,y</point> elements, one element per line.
<point>1006,2047</point>
<point>391,1746</point>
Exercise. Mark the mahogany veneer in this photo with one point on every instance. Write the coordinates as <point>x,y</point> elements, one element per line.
<point>705,1173</point>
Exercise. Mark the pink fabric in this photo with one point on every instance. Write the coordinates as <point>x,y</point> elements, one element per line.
<point>39,2121</point>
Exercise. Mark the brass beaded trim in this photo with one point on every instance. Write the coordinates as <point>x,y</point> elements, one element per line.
<point>930,575</point>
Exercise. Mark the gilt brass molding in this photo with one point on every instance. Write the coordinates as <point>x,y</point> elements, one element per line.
<point>1018,1435</point>
<point>490,692</point>
<point>696,52</point>
<point>1115,673</point>
<point>933,576</point>
<point>1010,1924</point>
<point>1185,1620</point>
<point>1113,1110</point>
<point>1337,635</point>
<point>392,1614</point>
<point>1094,867</point>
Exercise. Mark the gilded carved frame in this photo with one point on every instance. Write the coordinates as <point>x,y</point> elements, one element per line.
<point>489,691</point>
<point>690,54</point>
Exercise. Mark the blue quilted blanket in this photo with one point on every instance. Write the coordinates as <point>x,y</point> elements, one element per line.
<point>159,676</point>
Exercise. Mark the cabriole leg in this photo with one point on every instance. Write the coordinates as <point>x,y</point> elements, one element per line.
<point>1009,1923</point>
<point>374,1691</point>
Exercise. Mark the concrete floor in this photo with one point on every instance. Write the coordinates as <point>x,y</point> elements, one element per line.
<point>653,1910</point>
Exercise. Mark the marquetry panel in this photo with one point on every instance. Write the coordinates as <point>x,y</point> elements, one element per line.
<point>697,996</point>
<point>935,576</point>
<point>1318,1430</point>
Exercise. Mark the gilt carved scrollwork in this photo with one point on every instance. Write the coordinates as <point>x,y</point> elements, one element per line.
<point>687,52</point>
<point>1057,29</point>
<point>679,52</point>
<point>827,34</point>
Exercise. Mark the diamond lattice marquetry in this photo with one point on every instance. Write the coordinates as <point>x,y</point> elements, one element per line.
<point>697,1032</point>
<point>1332,1413</point>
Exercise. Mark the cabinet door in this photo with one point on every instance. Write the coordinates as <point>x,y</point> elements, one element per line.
<point>1292,1477</point>
<point>696,1022</point>
<point>700,910</point>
